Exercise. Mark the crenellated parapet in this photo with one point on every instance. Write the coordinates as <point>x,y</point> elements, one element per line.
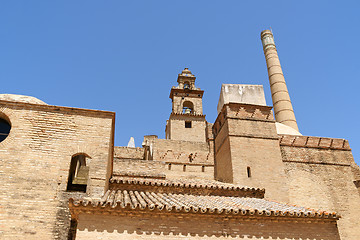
<point>242,111</point>
<point>315,142</point>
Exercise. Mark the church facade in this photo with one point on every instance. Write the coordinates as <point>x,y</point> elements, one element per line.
<point>249,175</point>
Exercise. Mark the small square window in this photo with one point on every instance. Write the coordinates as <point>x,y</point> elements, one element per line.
<point>187,124</point>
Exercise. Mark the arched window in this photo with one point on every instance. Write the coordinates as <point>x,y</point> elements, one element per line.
<point>78,173</point>
<point>4,129</point>
<point>186,85</point>
<point>188,107</point>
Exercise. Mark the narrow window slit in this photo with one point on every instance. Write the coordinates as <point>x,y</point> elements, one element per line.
<point>248,172</point>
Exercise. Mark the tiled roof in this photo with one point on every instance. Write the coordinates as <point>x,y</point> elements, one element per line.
<point>186,183</point>
<point>185,186</point>
<point>138,174</point>
<point>117,200</point>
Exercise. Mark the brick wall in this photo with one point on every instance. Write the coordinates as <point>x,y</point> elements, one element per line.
<point>179,101</point>
<point>177,130</point>
<point>189,171</point>
<point>129,152</point>
<point>34,163</point>
<point>140,168</point>
<point>247,150</point>
<point>324,179</point>
<point>186,226</point>
<point>179,151</point>
<point>176,154</point>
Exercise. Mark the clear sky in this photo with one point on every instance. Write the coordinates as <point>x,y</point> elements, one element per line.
<point>124,56</point>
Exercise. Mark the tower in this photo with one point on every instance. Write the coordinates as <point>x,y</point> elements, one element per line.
<point>284,112</point>
<point>186,121</point>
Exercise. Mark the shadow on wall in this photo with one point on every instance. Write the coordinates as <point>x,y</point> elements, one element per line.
<point>180,227</point>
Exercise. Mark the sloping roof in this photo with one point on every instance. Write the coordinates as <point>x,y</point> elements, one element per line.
<point>118,200</point>
<point>201,187</point>
<point>181,183</point>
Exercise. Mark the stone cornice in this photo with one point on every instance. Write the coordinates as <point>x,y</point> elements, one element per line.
<point>194,92</point>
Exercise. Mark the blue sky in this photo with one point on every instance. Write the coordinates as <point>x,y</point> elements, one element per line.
<point>124,56</point>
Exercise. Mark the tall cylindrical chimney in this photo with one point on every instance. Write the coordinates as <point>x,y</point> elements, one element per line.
<point>284,112</point>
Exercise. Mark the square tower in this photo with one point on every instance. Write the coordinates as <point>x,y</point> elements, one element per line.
<point>186,121</point>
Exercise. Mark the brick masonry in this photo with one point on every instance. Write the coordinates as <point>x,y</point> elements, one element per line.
<point>242,147</point>
<point>34,163</point>
<point>189,226</point>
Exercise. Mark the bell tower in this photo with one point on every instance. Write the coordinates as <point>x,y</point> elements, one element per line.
<point>186,121</point>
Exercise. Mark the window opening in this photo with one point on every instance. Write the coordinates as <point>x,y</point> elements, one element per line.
<point>186,85</point>
<point>187,124</point>
<point>4,129</point>
<point>188,107</point>
<point>78,174</point>
<point>184,168</point>
<point>248,172</point>
<point>169,166</point>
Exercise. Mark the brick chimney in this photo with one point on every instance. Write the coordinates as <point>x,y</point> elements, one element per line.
<point>283,109</point>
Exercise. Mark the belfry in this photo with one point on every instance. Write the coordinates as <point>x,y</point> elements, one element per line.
<point>186,121</point>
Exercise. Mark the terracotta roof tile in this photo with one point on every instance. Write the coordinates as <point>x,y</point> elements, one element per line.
<point>184,186</point>
<point>116,200</point>
<point>186,183</point>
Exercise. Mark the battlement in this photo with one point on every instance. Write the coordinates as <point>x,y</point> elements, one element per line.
<point>242,111</point>
<point>315,142</point>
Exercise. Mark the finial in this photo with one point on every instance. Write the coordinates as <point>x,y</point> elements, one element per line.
<point>186,73</point>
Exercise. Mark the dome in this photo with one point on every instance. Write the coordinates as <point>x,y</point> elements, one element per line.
<point>21,98</point>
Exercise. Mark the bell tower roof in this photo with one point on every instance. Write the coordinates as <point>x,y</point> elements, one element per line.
<point>186,73</point>
<point>186,83</point>
<point>186,78</point>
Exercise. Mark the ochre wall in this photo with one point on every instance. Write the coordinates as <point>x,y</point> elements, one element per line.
<point>129,152</point>
<point>246,137</point>
<point>178,151</point>
<point>177,130</point>
<point>179,101</point>
<point>35,159</point>
<point>141,168</point>
<point>189,171</point>
<point>323,179</point>
<point>191,226</point>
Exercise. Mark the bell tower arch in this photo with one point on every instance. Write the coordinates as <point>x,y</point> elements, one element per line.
<point>186,121</point>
